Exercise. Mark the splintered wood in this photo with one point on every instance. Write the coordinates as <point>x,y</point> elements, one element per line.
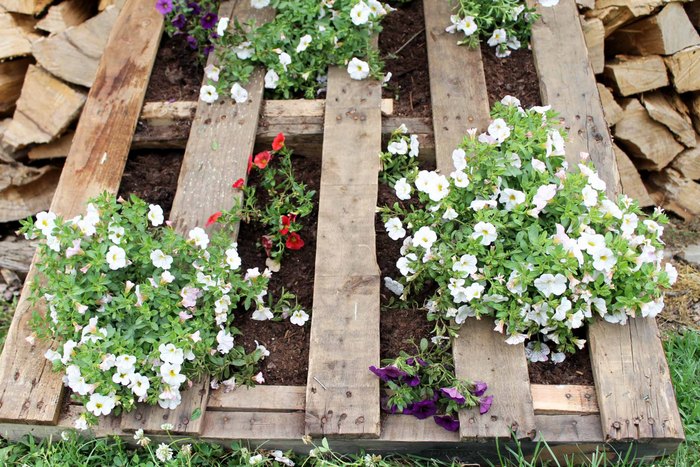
<point>342,397</point>
<point>29,390</point>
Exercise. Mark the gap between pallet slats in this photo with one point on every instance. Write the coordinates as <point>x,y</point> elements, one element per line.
<point>632,379</point>
<point>220,142</point>
<point>29,390</point>
<point>460,101</point>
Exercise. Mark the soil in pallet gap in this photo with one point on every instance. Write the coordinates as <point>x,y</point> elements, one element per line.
<point>576,369</point>
<point>288,343</point>
<point>177,73</point>
<point>410,82</point>
<point>515,75</point>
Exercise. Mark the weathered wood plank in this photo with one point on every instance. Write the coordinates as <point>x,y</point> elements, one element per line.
<point>220,142</point>
<point>594,34</point>
<point>635,394</point>
<point>342,396</point>
<point>567,84</point>
<point>259,399</point>
<point>553,399</point>
<point>29,390</point>
<point>460,101</point>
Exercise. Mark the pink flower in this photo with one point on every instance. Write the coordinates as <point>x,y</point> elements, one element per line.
<point>189,296</point>
<point>278,142</point>
<point>74,250</point>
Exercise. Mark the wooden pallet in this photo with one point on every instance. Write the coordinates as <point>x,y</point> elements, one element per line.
<point>632,400</point>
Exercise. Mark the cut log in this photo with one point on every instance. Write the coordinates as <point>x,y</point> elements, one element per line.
<point>105,3</point>
<point>688,162</point>
<point>676,193</point>
<point>16,174</point>
<point>637,7</point>
<point>74,54</point>
<point>66,14</point>
<point>612,17</point>
<point>694,107</point>
<point>594,34</point>
<point>644,138</point>
<point>630,179</point>
<point>44,110</point>
<point>663,34</point>
<point>17,254</point>
<point>633,75</point>
<point>19,202</point>
<point>585,4</point>
<point>27,7</point>
<point>11,79</point>
<point>685,69</point>
<point>53,150</point>
<point>611,109</point>
<point>14,43</point>
<point>669,109</point>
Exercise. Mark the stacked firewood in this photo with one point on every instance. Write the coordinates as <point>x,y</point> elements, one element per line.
<point>49,53</point>
<point>646,55</point>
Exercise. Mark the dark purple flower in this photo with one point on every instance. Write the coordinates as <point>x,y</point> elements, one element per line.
<point>411,381</point>
<point>447,422</point>
<point>479,388</point>
<point>180,22</point>
<point>192,41</point>
<point>485,404</point>
<point>209,20</point>
<point>209,48</point>
<point>412,361</point>
<point>424,409</point>
<point>453,394</point>
<point>194,6</point>
<point>387,373</point>
<point>164,6</point>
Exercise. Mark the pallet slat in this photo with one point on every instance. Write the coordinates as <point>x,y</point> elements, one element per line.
<point>220,143</point>
<point>259,399</point>
<point>460,101</point>
<point>554,399</point>
<point>29,390</point>
<point>342,396</point>
<point>635,395</point>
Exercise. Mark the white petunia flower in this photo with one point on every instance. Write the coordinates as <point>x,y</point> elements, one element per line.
<point>244,50</point>
<point>549,284</point>
<point>479,204</point>
<point>212,72</point>
<point>304,43</point>
<point>590,196</point>
<point>394,228</point>
<point>499,130</point>
<point>139,385</point>
<point>651,309</point>
<point>438,188</point>
<point>403,189</point>
<point>208,94</point>
<point>512,198</point>
<point>590,242</point>
<point>465,264</point>
<point>537,351</point>
<point>393,286</point>
<point>414,146</point>
<point>285,59</point>
<point>100,404</point>
<point>259,4</point>
<point>271,79</point>
<point>459,159</point>
<point>549,3</point>
<point>402,264</point>
<point>671,272</point>
<point>376,8</point>
<point>360,13</point>
<point>169,353</point>
<point>222,26</point>
<point>499,36</point>
<point>198,237</point>
<point>629,224</point>
<point>450,214</point>
<point>486,231</point>
<point>116,233</point>
<point>555,145</point>
<point>161,260</point>
<point>358,69</point>
<point>155,215</point>
<point>239,93</point>
<point>461,179</point>
<point>232,259</point>
<point>262,314</point>
<point>538,165</point>
<point>46,222</point>
<point>398,147</point>
<point>425,237</point>
<point>299,317</point>
<point>603,259</point>
<point>558,357</point>
<point>116,257</point>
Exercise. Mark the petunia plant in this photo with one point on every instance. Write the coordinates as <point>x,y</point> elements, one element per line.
<point>138,311</point>
<point>197,21</point>
<point>511,234</point>
<point>400,157</point>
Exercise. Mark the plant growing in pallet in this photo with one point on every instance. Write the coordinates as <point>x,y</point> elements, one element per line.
<point>137,310</point>
<point>511,234</point>
<point>196,20</point>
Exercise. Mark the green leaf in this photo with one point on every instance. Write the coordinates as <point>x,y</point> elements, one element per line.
<point>196,414</point>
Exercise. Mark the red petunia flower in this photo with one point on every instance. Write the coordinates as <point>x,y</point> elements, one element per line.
<point>294,241</point>
<point>262,159</point>
<point>286,222</point>
<point>250,163</point>
<point>238,183</point>
<point>213,218</point>
<point>278,142</point>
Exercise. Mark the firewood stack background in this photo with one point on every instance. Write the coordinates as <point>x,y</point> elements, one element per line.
<point>646,55</point>
<point>49,52</point>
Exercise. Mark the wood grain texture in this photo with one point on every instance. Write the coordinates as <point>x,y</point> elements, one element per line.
<point>635,394</point>
<point>630,74</point>
<point>460,101</point>
<point>671,111</point>
<point>221,141</point>
<point>64,15</point>
<point>684,68</point>
<point>611,109</point>
<point>27,7</point>
<point>630,180</point>
<point>458,92</point>
<point>11,78</point>
<point>259,399</point>
<point>17,255</point>
<point>342,396</point>
<point>29,390</point>
<point>553,399</point>
<point>567,84</point>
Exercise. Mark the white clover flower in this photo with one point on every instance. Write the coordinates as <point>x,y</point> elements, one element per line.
<point>212,72</point>
<point>499,130</point>
<point>394,228</point>
<point>116,257</point>
<point>155,214</point>
<point>403,189</point>
<point>394,286</point>
<point>358,69</point>
<point>537,351</point>
<point>486,231</point>
<point>141,439</point>
<point>414,146</point>
<point>100,404</point>
<point>259,4</point>
<point>271,79</point>
<point>208,94</point>
<point>199,237</point>
<point>425,237</point>
<point>256,459</point>
<point>299,317</point>
<point>222,26</point>
<point>360,13</point>
<point>512,198</point>
<point>164,453</point>
<point>262,314</point>
<point>304,43</point>
<point>239,93</point>
<point>499,36</point>
<point>549,284</point>
<point>398,147</point>
<point>244,50</point>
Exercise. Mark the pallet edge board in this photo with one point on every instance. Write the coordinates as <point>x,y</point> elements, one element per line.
<point>29,390</point>
<point>558,399</point>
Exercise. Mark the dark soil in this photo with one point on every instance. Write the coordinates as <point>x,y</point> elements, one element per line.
<point>288,343</point>
<point>514,75</point>
<point>409,85</point>
<point>177,73</point>
<point>576,369</point>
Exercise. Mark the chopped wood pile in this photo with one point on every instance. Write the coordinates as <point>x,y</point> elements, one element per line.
<point>646,55</point>
<point>49,52</point>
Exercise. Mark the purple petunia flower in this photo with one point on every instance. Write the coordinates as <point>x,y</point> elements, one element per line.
<point>208,49</point>
<point>447,422</point>
<point>192,42</point>
<point>424,409</point>
<point>209,20</point>
<point>387,373</point>
<point>412,361</point>
<point>411,381</point>
<point>453,394</point>
<point>164,6</point>
<point>180,22</point>
<point>194,6</point>
<point>479,388</point>
<point>485,404</point>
